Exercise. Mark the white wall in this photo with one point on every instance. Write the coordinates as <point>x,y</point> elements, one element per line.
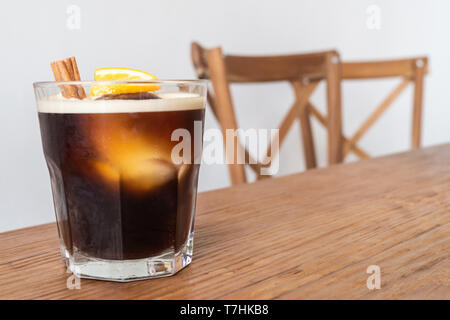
<point>155,36</point>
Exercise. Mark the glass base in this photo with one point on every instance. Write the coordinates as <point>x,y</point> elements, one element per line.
<point>163,265</point>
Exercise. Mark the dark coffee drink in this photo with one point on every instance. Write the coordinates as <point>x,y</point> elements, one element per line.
<point>117,193</point>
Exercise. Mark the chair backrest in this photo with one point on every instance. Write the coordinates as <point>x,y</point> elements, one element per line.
<point>302,71</point>
<point>410,70</point>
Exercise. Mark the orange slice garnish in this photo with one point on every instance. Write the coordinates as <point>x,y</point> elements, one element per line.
<point>122,74</point>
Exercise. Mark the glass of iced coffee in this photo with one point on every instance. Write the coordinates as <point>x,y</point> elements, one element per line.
<point>124,159</point>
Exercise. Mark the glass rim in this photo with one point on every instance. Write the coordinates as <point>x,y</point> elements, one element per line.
<point>94,82</point>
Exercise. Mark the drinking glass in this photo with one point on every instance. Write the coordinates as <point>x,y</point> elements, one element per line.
<point>123,172</point>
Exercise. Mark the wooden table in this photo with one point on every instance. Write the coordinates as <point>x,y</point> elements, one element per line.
<point>305,236</point>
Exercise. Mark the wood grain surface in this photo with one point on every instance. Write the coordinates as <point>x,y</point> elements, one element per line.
<point>305,236</point>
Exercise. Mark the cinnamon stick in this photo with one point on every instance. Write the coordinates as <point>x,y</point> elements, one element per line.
<point>67,70</point>
<point>80,89</point>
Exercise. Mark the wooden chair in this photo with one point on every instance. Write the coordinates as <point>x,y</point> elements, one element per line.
<point>302,71</point>
<point>409,71</point>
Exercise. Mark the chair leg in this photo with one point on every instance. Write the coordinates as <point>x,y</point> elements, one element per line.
<point>225,112</point>
<point>333,77</point>
<point>417,108</point>
<point>308,142</point>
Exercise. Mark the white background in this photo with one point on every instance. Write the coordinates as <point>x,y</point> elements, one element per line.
<point>155,36</point>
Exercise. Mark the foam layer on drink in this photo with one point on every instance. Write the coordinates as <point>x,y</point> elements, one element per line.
<point>167,102</point>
